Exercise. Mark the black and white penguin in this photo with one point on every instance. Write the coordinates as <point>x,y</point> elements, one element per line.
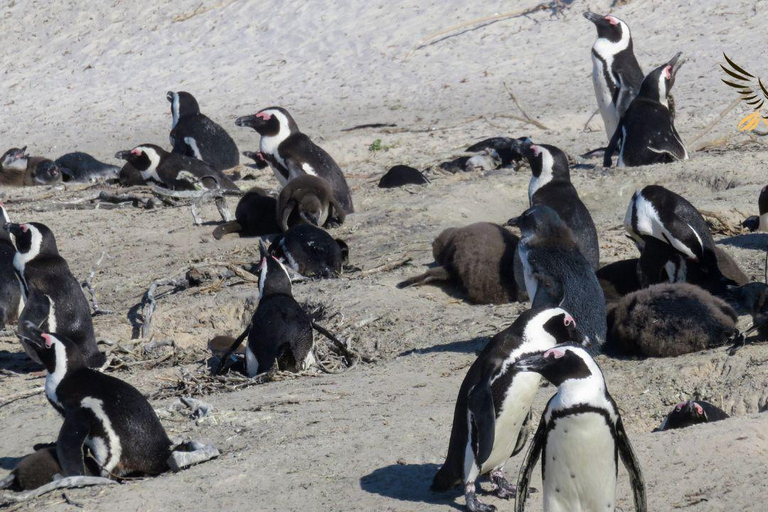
<point>759,222</point>
<point>308,199</point>
<point>81,167</point>
<point>254,216</point>
<point>490,422</point>
<point>291,153</point>
<point>506,148</point>
<point>580,437</point>
<point>646,133</point>
<point>54,300</point>
<point>156,164</point>
<point>691,412</point>
<point>616,74</point>
<point>551,185</point>
<point>401,175</point>
<point>311,251</point>
<point>10,286</point>
<point>482,259</point>
<point>194,135</point>
<point>556,272</point>
<point>108,416</point>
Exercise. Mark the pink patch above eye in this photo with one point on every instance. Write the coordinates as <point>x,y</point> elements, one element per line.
<point>680,406</point>
<point>536,150</point>
<point>699,409</point>
<point>668,72</point>
<point>569,320</point>
<point>136,152</point>
<point>24,228</point>
<point>264,116</point>
<point>555,353</point>
<point>48,340</point>
<point>612,20</point>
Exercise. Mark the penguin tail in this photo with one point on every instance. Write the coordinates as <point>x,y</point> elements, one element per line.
<point>445,479</point>
<point>226,228</point>
<point>433,274</point>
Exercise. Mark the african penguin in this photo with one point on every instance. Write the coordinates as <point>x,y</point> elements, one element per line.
<point>81,167</point>
<point>40,468</point>
<point>109,416</point>
<point>557,274</point>
<point>646,133</point>
<point>10,286</point>
<point>616,74</point>
<point>54,300</point>
<point>580,437</point>
<point>194,135</point>
<point>506,148</point>
<point>691,412</point>
<point>551,185</point>
<point>401,175</point>
<point>18,169</point>
<point>311,251</point>
<point>254,216</point>
<point>308,199</point>
<point>490,422</point>
<point>156,164</point>
<point>482,259</point>
<point>759,222</point>
<point>291,153</point>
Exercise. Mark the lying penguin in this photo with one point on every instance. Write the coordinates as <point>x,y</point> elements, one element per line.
<point>81,167</point>
<point>254,216</point>
<point>311,251</point>
<point>691,412</point>
<point>18,169</point>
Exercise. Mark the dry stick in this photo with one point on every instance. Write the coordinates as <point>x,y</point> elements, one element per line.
<point>528,118</point>
<point>88,283</point>
<point>70,482</point>
<point>386,267</point>
<point>586,125</point>
<point>20,396</point>
<point>719,118</point>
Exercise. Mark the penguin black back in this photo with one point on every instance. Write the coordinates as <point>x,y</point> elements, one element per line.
<point>83,168</point>
<point>254,216</point>
<point>401,175</point>
<point>311,251</point>
<point>10,286</point>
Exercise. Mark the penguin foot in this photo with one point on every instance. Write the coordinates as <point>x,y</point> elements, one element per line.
<point>739,340</point>
<point>501,486</point>
<point>473,502</point>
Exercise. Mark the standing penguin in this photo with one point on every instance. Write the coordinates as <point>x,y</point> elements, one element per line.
<point>556,272</point>
<point>646,133</point>
<point>616,74</point>
<point>10,286</point>
<point>759,222</point>
<point>551,186</point>
<point>580,437</point>
<point>490,422</point>
<point>292,153</point>
<point>193,134</point>
<point>54,300</point>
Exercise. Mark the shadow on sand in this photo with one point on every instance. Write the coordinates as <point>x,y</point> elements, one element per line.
<point>408,482</point>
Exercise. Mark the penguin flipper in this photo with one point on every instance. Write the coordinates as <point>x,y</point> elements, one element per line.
<point>526,469</point>
<point>614,143</point>
<point>525,431</point>
<point>69,446</point>
<point>633,467</point>
<point>483,416</point>
<point>286,213</point>
<point>548,292</point>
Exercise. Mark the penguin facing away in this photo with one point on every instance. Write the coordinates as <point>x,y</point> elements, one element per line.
<point>646,133</point>
<point>254,216</point>
<point>308,199</point>
<point>194,135</point>
<point>54,300</point>
<point>40,468</point>
<point>691,412</point>
<point>579,439</point>
<point>311,251</point>
<point>291,153</point>
<point>759,222</point>
<point>493,407</point>
<point>401,175</point>
<point>616,74</point>
<point>10,286</point>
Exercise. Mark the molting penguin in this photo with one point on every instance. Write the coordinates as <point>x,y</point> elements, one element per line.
<point>311,251</point>
<point>292,153</point>
<point>691,412</point>
<point>490,422</point>
<point>401,175</point>
<point>482,259</point>
<point>759,222</point>
<point>556,272</point>
<point>18,169</point>
<point>646,133</point>
<point>10,286</point>
<point>616,74</point>
<point>254,216</point>
<point>81,167</point>
<point>105,414</point>
<point>54,300</point>
<point>194,135</point>
<point>155,163</point>
<point>308,199</point>
<point>580,437</point>
<point>551,186</point>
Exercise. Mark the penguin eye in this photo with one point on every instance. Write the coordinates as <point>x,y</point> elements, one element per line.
<point>612,20</point>
<point>569,320</point>
<point>679,406</point>
<point>668,72</point>
<point>699,409</point>
<point>264,116</point>
<point>536,150</point>
<point>554,353</point>
<point>136,152</point>
<point>24,228</point>
<point>48,340</point>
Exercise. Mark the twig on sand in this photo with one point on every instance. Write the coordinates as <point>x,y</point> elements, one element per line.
<point>714,122</point>
<point>88,283</point>
<point>586,128</point>
<point>386,267</point>
<point>70,482</point>
<point>725,227</point>
<point>20,396</point>
<point>526,118</point>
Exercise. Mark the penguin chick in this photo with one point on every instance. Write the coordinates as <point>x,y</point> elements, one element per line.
<point>254,216</point>
<point>81,167</point>
<point>40,468</point>
<point>691,412</point>
<point>308,199</point>
<point>10,286</point>
<point>311,251</point>
<point>401,175</point>
<point>42,171</point>
<point>480,258</point>
<point>155,163</point>
<point>557,274</point>
<point>667,320</point>
<point>291,153</point>
<point>580,437</point>
<point>759,222</point>
<point>18,169</point>
<point>490,422</point>
<point>194,135</point>
<point>646,133</point>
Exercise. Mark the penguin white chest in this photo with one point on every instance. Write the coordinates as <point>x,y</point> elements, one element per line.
<point>530,281</point>
<point>580,465</point>
<point>604,94</point>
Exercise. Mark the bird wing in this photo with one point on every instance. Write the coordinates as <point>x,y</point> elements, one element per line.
<point>750,88</point>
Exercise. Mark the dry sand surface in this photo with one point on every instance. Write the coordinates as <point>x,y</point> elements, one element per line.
<point>94,79</point>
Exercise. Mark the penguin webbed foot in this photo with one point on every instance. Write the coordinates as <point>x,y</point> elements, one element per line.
<point>739,340</point>
<point>751,223</point>
<point>473,502</point>
<point>501,486</point>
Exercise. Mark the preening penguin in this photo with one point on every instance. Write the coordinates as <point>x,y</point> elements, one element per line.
<point>556,272</point>
<point>579,439</point>
<point>10,286</point>
<point>616,74</point>
<point>490,422</point>
<point>254,216</point>
<point>194,135</point>
<point>691,412</point>
<point>54,300</point>
<point>156,164</point>
<point>308,199</point>
<point>482,258</point>
<point>311,251</point>
<point>646,133</point>
<point>291,153</point>
<point>759,222</point>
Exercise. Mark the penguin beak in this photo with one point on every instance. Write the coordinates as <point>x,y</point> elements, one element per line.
<point>30,332</point>
<point>596,19</point>
<point>676,62</point>
<point>123,155</point>
<point>249,121</point>
<point>12,228</point>
<point>170,95</point>
<point>514,222</point>
<point>533,363</point>
<point>310,218</point>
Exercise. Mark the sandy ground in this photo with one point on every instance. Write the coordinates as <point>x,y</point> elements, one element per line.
<point>372,438</point>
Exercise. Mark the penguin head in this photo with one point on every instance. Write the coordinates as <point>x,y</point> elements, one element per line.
<point>547,162</point>
<point>15,159</point>
<point>55,351</point>
<point>685,414</point>
<point>31,240</point>
<point>182,104</point>
<point>561,364</point>
<point>144,158</point>
<point>310,209</point>
<point>47,172</point>
<point>273,277</point>
<point>659,82</point>
<point>541,221</point>
<point>270,122</point>
<point>555,325</point>
<point>610,29</point>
